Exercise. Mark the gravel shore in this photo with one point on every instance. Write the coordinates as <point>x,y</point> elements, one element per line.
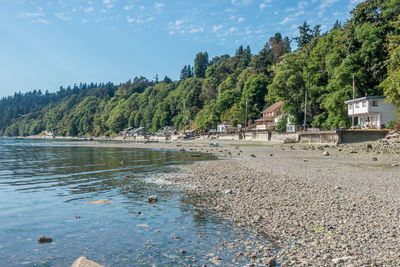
<point>314,205</point>
<point>338,209</point>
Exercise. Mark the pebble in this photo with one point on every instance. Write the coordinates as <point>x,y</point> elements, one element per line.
<point>99,202</point>
<point>44,239</point>
<point>152,199</point>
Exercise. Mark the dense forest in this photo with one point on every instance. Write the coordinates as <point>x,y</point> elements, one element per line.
<point>217,89</point>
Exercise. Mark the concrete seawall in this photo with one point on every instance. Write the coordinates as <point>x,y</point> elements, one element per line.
<point>322,137</point>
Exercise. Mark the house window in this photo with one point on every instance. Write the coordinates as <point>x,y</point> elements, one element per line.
<point>364,104</point>
<point>350,106</point>
<point>357,105</point>
<point>374,103</point>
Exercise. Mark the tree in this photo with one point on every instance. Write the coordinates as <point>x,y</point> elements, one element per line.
<point>167,79</point>
<point>316,31</point>
<point>253,93</point>
<point>306,35</point>
<point>337,25</point>
<point>391,84</point>
<point>200,64</point>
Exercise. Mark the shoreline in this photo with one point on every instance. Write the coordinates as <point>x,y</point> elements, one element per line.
<point>342,208</point>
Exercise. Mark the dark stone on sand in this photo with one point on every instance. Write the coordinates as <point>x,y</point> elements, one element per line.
<point>44,239</point>
<point>152,199</point>
<point>270,261</point>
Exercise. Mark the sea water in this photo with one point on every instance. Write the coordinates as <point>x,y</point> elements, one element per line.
<point>46,187</point>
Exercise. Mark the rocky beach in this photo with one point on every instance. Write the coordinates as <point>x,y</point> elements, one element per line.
<point>315,205</point>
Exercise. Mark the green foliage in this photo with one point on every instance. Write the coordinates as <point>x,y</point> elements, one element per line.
<point>281,125</point>
<point>253,94</point>
<point>391,84</point>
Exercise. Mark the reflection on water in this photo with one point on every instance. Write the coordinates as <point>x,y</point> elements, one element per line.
<point>44,186</point>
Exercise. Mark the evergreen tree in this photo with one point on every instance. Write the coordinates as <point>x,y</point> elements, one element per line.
<point>306,35</point>
<point>337,25</point>
<point>200,64</point>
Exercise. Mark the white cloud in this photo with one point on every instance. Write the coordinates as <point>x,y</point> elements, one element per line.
<point>89,9</point>
<point>139,20</point>
<point>141,7</point>
<point>38,13</point>
<point>324,5</point>
<point>129,19</point>
<point>43,21</point>
<point>109,3</point>
<point>240,2</point>
<point>302,4</point>
<point>216,28</point>
<point>241,19</point>
<point>179,22</point>
<point>262,6</point>
<point>159,7</point>
<point>128,7</point>
<point>62,16</point>
<point>276,12</point>
<point>196,29</point>
<point>248,30</point>
<point>286,20</point>
<point>301,12</point>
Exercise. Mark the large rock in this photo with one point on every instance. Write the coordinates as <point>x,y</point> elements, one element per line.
<point>152,199</point>
<point>84,262</point>
<point>44,239</point>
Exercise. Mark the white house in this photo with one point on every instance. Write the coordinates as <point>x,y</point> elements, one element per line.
<point>290,127</point>
<point>371,111</point>
<point>224,125</point>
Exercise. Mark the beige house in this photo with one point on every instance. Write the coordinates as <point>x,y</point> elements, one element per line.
<point>271,117</point>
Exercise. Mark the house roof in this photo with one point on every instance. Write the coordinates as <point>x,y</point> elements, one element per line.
<point>273,107</point>
<point>364,98</point>
<point>228,122</point>
<point>269,118</point>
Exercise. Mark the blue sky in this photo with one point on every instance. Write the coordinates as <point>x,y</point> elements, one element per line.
<point>48,43</point>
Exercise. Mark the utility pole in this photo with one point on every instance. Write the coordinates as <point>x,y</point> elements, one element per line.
<point>305,111</point>
<point>246,123</point>
<point>212,121</point>
<point>354,94</point>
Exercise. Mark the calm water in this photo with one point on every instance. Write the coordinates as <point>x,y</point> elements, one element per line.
<point>44,186</point>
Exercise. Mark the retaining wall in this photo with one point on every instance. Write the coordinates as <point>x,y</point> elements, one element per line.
<point>326,137</point>
<point>354,136</point>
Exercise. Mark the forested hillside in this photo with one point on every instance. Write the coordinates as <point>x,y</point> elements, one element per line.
<point>214,90</point>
